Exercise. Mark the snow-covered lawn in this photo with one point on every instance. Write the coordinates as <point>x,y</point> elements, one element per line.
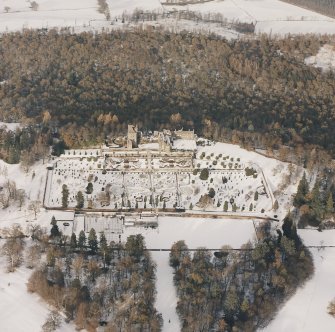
<point>197,232</point>
<point>166,300</point>
<point>19,310</point>
<point>306,311</point>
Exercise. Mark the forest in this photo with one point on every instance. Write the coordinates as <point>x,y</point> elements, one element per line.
<point>325,7</point>
<point>239,290</point>
<point>85,86</point>
<point>90,281</point>
<point>315,206</point>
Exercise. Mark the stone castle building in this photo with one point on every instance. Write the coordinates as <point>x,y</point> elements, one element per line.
<point>133,137</point>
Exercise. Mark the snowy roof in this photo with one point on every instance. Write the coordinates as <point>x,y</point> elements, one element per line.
<point>184,144</point>
<point>150,146</point>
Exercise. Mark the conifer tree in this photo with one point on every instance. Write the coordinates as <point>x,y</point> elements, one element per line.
<point>73,241</point>
<point>80,200</point>
<point>65,196</point>
<point>82,240</point>
<point>316,201</point>
<point>54,230</point>
<point>103,241</point>
<point>92,240</point>
<point>302,191</point>
<point>225,206</point>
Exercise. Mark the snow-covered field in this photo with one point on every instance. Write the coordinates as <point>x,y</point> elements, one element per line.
<point>50,13</point>
<point>306,311</point>
<point>19,310</point>
<point>270,16</point>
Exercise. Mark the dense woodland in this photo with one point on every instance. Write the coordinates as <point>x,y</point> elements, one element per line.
<point>315,206</point>
<point>85,86</point>
<point>325,7</point>
<point>239,290</point>
<point>92,282</point>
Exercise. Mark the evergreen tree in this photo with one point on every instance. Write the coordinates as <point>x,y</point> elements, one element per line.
<point>225,206</point>
<point>103,242</point>
<point>54,230</point>
<point>104,249</point>
<point>92,240</point>
<point>289,229</point>
<point>80,200</point>
<point>316,201</point>
<point>256,196</point>
<point>81,240</point>
<point>302,191</point>
<point>204,174</point>
<point>73,241</point>
<point>251,207</point>
<point>65,196</point>
<point>234,207</point>
<point>89,188</point>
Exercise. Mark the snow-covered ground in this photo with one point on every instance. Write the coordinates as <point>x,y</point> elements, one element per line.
<point>50,13</point>
<point>19,310</point>
<point>306,311</point>
<point>196,232</point>
<point>270,16</point>
<point>166,301</point>
<point>325,59</point>
<point>119,7</point>
<point>10,126</point>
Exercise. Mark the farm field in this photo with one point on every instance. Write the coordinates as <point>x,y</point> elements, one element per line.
<point>269,16</point>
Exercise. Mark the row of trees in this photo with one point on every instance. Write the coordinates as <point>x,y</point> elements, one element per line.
<point>238,290</point>
<point>239,89</point>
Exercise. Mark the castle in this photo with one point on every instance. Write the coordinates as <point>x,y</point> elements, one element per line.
<point>165,138</point>
<point>133,137</point>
